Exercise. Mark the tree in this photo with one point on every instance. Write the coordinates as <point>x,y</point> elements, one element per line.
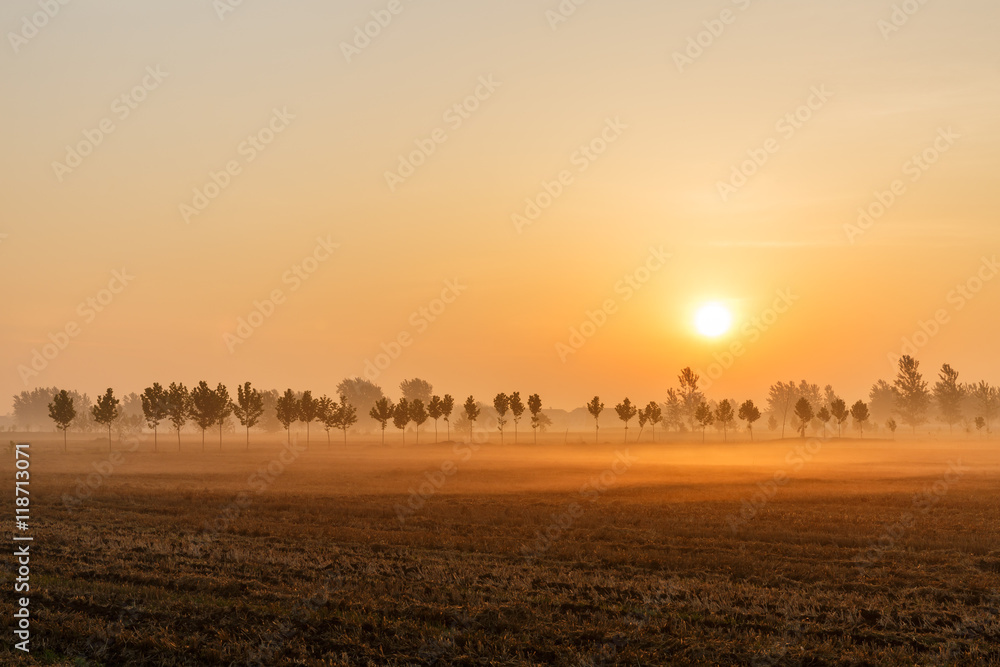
<point>416,389</point>
<point>501,403</point>
<point>594,408</point>
<point>980,423</point>
<point>653,415</point>
<point>347,416</point>
<point>749,413</point>
<point>418,414</point>
<point>643,419</point>
<point>626,411</point>
<point>178,407</point>
<point>780,397</point>
<point>724,415</point>
<point>447,405</point>
<point>471,413</point>
<point>203,408</point>
<point>535,408</point>
<point>401,416</point>
<point>804,413</point>
<point>987,401</point>
<point>249,407</point>
<point>703,414</point>
<point>772,423</point>
<point>434,411</point>
<point>839,411</point>
<point>361,393</point>
<point>860,413</point>
<point>382,412</point>
<point>516,410</point>
<point>912,391</point>
<point>690,397</point>
<point>154,407</point>
<point>674,410</point>
<point>106,411</point>
<point>949,395</point>
<point>223,408</point>
<point>891,425</point>
<point>308,411</point>
<point>883,400</point>
<point>824,416</point>
<point>287,411</point>
<point>62,412</point>
<point>326,413</point>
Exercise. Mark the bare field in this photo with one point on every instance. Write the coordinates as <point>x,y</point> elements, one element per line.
<point>791,552</point>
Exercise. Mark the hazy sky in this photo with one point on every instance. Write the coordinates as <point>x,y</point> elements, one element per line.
<point>833,98</point>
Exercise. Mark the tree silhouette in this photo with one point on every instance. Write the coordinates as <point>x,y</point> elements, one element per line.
<point>203,408</point>
<point>382,412</point>
<point>987,400</point>
<point>223,408</point>
<point>840,413</point>
<point>749,413</point>
<point>287,412</point>
<point>501,403</point>
<point>674,411</point>
<point>516,410</point>
<point>447,405</point>
<point>416,389</point>
<point>326,414</point>
<point>724,415</point>
<point>949,395</point>
<point>347,416</point>
<point>308,411</point>
<point>912,391</point>
<point>891,425</point>
<point>626,411</point>
<point>106,411</point>
<point>780,397</point>
<point>653,414</point>
<point>595,407</point>
<point>883,400</point>
<point>643,418</point>
<point>824,416</point>
<point>361,393</point>
<point>62,412</point>
<point>178,407</point>
<point>418,413</point>
<point>471,413</point>
<point>154,407</point>
<point>705,418</point>
<point>804,413</point>
<point>401,416</point>
<point>535,408</point>
<point>772,423</point>
<point>249,407</point>
<point>690,397</point>
<point>860,413</point>
<point>434,411</point>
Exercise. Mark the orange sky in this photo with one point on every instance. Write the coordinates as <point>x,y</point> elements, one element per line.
<point>614,122</point>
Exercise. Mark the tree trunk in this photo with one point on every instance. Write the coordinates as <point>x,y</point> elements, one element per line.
<point>154,439</point>
<point>248,438</point>
<point>64,440</point>
<point>109,436</point>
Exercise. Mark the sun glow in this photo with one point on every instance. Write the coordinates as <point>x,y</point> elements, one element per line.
<point>712,320</point>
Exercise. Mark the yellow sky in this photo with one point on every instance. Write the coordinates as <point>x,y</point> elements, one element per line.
<point>614,122</point>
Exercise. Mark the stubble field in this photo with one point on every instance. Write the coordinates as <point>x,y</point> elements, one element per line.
<point>786,552</point>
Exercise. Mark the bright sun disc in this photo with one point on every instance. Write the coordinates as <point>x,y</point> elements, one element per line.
<point>713,320</point>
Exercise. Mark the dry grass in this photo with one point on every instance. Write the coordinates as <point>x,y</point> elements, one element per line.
<point>316,568</point>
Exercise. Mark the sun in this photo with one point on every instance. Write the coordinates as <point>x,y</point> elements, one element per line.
<point>712,320</point>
